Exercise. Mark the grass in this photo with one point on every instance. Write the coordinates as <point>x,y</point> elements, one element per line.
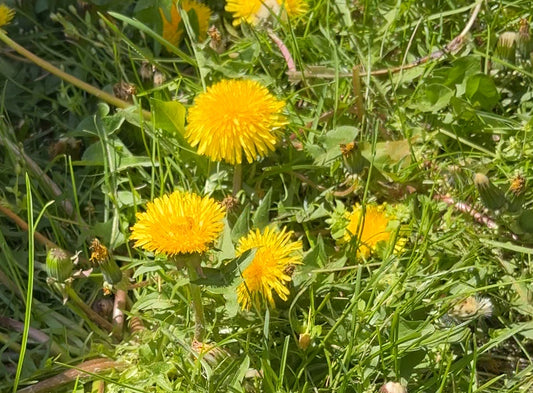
<point>443,306</point>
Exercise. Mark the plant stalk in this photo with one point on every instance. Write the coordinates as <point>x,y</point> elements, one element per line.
<point>110,99</point>
<point>196,294</point>
<point>237,179</point>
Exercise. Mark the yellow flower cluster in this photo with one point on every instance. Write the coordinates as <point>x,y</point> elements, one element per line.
<point>254,11</point>
<point>185,223</point>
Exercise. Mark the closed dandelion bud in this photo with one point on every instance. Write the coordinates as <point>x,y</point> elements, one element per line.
<point>492,197</point>
<point>158,78</point>
<point>393,387</point>
<point>304,340</point>
<point>211,353</point>
<point>353,160</point>
<point>111,271</point>
<point>59,265</point>
<point>506,46</point>
<point>524,41</point>
<point>100,256</point>
<point>146,71</point>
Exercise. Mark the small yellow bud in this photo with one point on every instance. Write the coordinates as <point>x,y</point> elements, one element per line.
<point>304,340</point>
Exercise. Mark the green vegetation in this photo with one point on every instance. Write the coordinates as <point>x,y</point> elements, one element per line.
<point>398,185</point>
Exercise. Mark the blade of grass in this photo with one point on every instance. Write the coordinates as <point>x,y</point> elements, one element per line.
<point>31,267</point>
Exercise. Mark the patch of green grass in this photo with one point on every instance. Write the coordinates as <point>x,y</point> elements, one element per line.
<point>443,306</point>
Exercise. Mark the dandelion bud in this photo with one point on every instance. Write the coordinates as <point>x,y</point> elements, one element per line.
<point>59,265</point>
<point>393,387</point>
<point>304,340</point>
<point>211,353</point>
<point>146,71</point>
<point>100,256</point>
<point>158,78</point>
<point>491,196</point>
<point>506,46</point>
<point>524,41</point>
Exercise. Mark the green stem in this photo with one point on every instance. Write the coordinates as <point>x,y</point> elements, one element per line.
<point>196,294</point>
<point>93,316</point>
<point>110,99</point>
<point>237,179</point>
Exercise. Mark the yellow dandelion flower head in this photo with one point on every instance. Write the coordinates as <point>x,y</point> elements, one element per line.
<point>178,223</point>
<point>371,227</point>
<point>294,8</point>
<point>235,118</point>
<point>268,272</point>
<point>254,11</point>
<point>6,14</point>
<point>173,29</point>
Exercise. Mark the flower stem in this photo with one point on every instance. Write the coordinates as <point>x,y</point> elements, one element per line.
<point>110,99</point>
<point>93,316</point>
<point>196,294</point>
<point>237,179</point>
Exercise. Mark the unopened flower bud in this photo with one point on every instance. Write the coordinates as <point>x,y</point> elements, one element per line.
<point>492,197</point>
<point>304,340</point>
<point>506,46</point>
<point>524,41</point>
<point>59,265</point>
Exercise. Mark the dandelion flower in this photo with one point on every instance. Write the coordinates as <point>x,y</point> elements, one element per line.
<point>179,223</point>
<point>235,118</point>
<point>370,227</point>
<point>6,15</point>
<point>254,11</point>
<point>294,8</point>
<point>174,29</point>
<point>270,269</point>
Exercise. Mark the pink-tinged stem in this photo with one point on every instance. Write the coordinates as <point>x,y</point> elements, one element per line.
<point>466,208</point>
<point>284,50</point>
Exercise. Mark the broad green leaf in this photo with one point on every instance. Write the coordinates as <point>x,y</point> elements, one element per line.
<point>482,92</point>
<point>328,148</point>
<point>236,382</point>
<point>242,225</point>
<point>169,116</point>
<point>432,98</point>
<point>387,153</point>
<point>261,217</point>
